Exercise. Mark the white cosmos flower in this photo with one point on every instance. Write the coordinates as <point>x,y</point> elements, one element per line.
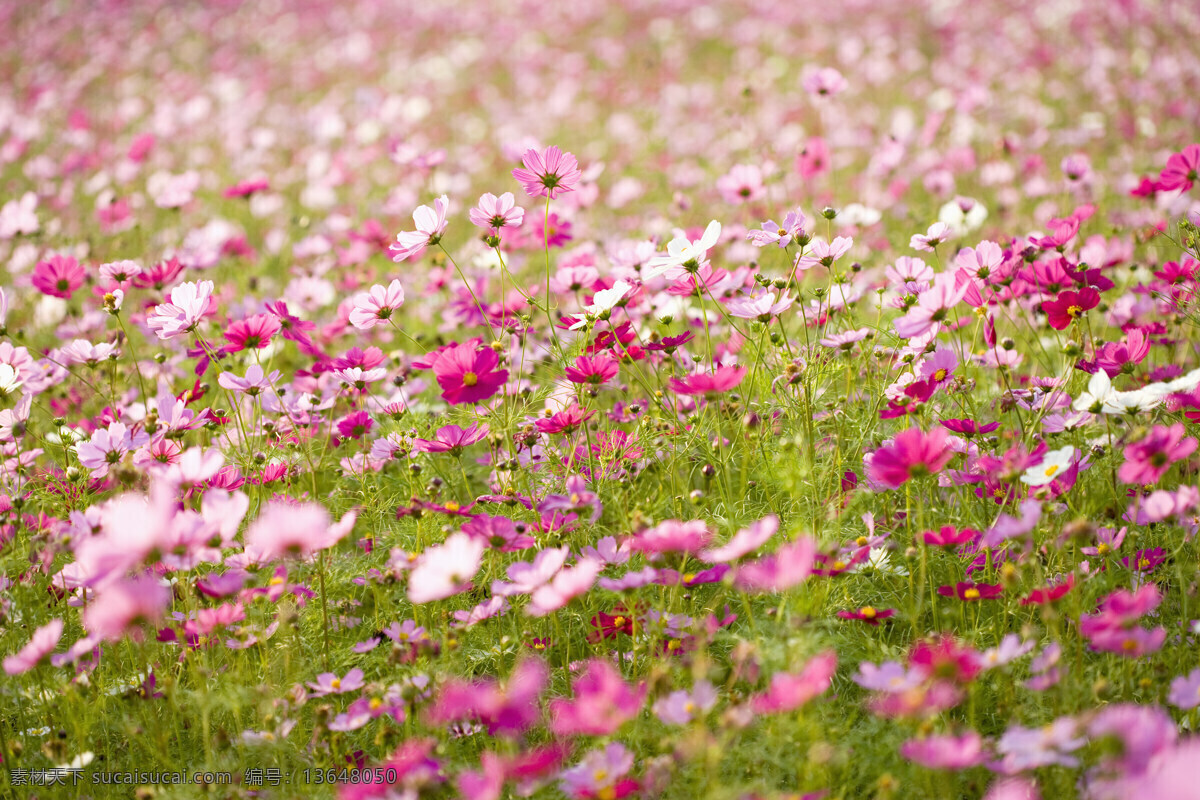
<point>1053,464</point>
<point>1098,392</point>
<point>962,221</point>
<point>9,379</point>
<point>681,250</point>
<point>604,300</point>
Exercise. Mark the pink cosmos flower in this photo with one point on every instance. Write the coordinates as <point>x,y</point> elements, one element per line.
<point>602,703</point>
<point>679,707</point>
<point>58,276</point>
<point>945,752</point>
<point>823,253</point>
<point>1182,170</point>
<point>601,774</point>
<point>40,646</point>
<point>447,569</point>
<point>912,454</point>
<point>672,536</point>
<point>594,370</point>
<point>937,233</point>
<point>124,603</point>
<point>329,683</point>
<point>933,306</point>
<point>108,446</point>
<point>823,82</point>
<point>742,184</point>
<point>452,439</point>
<point>744,542</point>
<point>256,381</point>
<point>527,578</point>
<point>431,224</point>
<point>1185,689</point>
<point>297,530</point>
<point>564,587</point>
<point>1149,458</point>
<point>494,212</point>
<point>468,374</point>
<point>762,306</point>
<point>252,333</point>
<point>720,380</point>
<point>783,569</point>
<point>788,692</point>
<point>549,173</point>
<point>189,303</point>
<point>375,307</point>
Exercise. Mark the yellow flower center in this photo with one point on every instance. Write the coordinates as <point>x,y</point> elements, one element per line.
<point>1103,548</point>
<point>940,375</point>
<point>1050,470</point>
<point>452,506</point>
<point>470,379</point>
<point>868,612</point>
<point>1143,563</point>
<point>689,577</point>
<point>375,703</point>
<point>1129,644</point>
<point>336,683</point>
<point>861,541</point>
<point>1074,311</point>
<point>275,581</point>
<point>839,565</point>
<point>971,594</point>
<point>618,621</point>
<point>607,793</point>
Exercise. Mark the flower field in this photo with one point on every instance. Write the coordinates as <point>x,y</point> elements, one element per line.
<point>742,400</point>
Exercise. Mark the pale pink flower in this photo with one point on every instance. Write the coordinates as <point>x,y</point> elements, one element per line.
<point>108,446</point>
<point>189,302</point>
<point>431,224</point>
<point>447,569</point>
<point>566,585</point>
<point>295,529</point>
<point>43,642</point>
<point>376,306</point>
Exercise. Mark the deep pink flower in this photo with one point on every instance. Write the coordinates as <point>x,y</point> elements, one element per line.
<point>594,370</point>
<point>58,276</point>
<point>912,454</point>
<point>970,591</point>
<point>468,374</point>
<point>355,425</point>
<point>603,703</point>
<point>251,333</point>
<point>1182,169</point>
<point>549,173</point>
<point>948,536</point>
<point>721,380</point>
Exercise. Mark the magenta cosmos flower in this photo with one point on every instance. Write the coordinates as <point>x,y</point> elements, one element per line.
<point>912,454</point>
<point>375,307</point>
<point>1182,169</point>
<point>721,380</point>
<point>549,173</point>
<point>58,276</point>
<point>603,703</point>
<point>468,374</point>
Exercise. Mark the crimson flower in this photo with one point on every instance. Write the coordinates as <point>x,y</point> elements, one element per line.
<point>970,591</point>
<point>1068,306</point>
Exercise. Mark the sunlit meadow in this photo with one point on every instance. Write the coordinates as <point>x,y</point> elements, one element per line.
<point>600,399</point>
